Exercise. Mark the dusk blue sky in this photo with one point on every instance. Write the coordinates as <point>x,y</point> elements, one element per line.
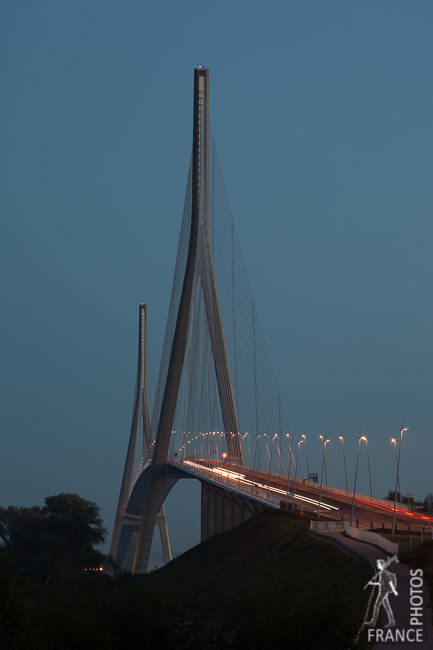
<point>322,116</point>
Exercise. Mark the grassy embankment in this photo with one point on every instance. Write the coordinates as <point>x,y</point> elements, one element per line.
<point>265,584</point>
<point>273,585</point>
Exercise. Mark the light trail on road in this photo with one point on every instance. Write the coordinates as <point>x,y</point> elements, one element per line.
<point>241,478</point>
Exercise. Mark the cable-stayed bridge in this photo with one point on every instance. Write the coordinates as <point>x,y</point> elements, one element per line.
<point>217,413</point>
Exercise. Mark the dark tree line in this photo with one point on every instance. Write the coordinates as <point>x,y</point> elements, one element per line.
<point>425,503</point>
<point>50,540</point>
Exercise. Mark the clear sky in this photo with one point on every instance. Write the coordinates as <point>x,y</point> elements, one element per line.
<point>322,116</point>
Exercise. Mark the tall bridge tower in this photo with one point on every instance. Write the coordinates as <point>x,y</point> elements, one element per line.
<point>198,269</point>
<point>198,275</point>
<point>126,526</point>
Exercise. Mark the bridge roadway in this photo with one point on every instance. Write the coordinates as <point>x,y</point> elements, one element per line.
<point>369,512</point>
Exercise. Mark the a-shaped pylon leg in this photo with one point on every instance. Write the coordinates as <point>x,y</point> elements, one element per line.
<point>199,264</point>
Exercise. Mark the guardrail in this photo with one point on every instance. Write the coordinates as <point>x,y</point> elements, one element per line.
<point>314,485</point>
<point>357,533</point>
<point>224,479</point>
<point>326,525</point>
<point>371,538</point>
<point>358,495</point>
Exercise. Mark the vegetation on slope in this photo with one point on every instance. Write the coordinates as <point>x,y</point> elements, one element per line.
<point>64,533</point>
<point>265,584</point>
<point>272,584</point>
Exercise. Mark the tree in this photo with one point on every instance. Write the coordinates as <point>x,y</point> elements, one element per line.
<point>63,534</point>
<point>75,523</point>
<point>24,534</point>
<point>400,498</point>
<point>427,504</point>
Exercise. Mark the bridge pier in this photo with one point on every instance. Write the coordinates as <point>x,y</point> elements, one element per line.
<point>223,510</point>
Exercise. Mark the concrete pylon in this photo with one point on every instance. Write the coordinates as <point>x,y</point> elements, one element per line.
<point>199,268</point>
<point>140,412</point>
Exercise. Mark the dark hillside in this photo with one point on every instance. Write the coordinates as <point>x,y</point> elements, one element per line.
<point>272,584</point>
<point>267,584</point>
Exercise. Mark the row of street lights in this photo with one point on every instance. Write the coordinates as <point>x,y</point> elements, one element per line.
<point>397,480</point>
<point>325,442</point>
<point>212,438</point>
<point>303,439</point>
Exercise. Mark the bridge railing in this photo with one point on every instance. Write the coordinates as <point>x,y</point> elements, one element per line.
<point>358,495</point>
<point>259,491</point>
<point>301,481</point>
<point>356,533</point>
<point>371,538</point>
<point>319,526</point>
<point>224,478</point>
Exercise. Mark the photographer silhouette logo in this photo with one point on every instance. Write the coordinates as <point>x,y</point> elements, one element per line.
<point>386,582</point>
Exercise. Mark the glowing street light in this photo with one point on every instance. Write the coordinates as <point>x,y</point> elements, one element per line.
<point>270,464</point>
<point>306,455</point>
<point>296,474</point>
<point>240,457</point>
<point>326,475</point>
<point>344,459</point>
<point>394,441</point>
<point>325,442</point>
<point>368,461</point>
<point>254,466</point>
<point>356,474</point>
<point>290,467</point>
<point>398,476</point>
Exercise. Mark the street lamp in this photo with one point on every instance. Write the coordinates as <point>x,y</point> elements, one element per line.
<point>290,467</point>
<point>296,474</point>
<point>398,476</point>
<point>254,465</point>
<point>240,458</point>
<point>368,461</point>
<point>344,459</point>
<point>356,474</point>
<point>321,477</point>
<point>270,464</point>
<point>326,475</point>
<point>394,441</point>
<point>306,455</point>
<point>228,464</point>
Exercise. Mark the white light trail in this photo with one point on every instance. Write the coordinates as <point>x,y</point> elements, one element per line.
<point>235,476</point>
